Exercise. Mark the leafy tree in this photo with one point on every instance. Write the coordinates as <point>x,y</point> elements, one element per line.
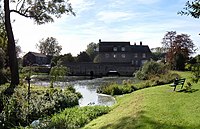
<point>3,78</point>
<point>3,36</point>
<point>56,72</point>
<point>179,62</point>
<point>2,59</point>
<point>97,59</point>
<point>194,65</point>
<point>54,60</point>
<point>41,11</point>
<point>192,9</point>
<point>65,59</point>
<point>178,46</point>
<point>92,50</point>
<point>49,46</point>
<point>158,53</point>
<point>83,57</point>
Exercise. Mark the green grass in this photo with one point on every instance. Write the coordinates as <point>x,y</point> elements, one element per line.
<point>154,108</point>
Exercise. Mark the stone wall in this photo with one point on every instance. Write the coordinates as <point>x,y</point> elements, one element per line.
<point>100,69</point>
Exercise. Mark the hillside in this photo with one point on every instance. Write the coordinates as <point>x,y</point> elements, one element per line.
<point>151,108</point>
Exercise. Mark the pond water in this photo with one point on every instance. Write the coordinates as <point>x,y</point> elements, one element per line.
<point>88,89</point>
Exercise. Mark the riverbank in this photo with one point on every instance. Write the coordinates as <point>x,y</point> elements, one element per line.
<point>156,107</point>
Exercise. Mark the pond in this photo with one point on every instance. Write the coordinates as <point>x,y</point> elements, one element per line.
<point>88,88</point>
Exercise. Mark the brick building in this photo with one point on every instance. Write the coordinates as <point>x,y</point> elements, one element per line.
<point>123,53</point>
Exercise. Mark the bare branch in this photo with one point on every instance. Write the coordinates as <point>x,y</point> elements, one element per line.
<point>18,4</point>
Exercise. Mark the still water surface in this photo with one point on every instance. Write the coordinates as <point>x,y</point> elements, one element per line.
<point>88,89</point>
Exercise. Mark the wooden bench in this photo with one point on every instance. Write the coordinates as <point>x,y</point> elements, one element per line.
<point>178,82</point>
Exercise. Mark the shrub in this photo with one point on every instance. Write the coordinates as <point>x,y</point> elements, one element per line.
<point>35,70</point>
<point>188,87</point>
<point>45,102</point>
<point>72,118</point>
<point>151,69</point>
<point>116,89</point>
<point>56,72</point>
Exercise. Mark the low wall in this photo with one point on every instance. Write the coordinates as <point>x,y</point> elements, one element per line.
<point>100,69</point>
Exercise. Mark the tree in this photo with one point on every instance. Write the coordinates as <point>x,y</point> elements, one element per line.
<point>83,57</point>
<point>158,53</point>
<point>65,59</point>
<point>41,11</point>
<point>49,46</point>
<point>92,50</point>
<point>192,9</point>
<point>3,36</point>
<point>2,59</point>
<point>194,65</point>
<point>57,72</point>
<point>178,46</point>
<point>196,69</point>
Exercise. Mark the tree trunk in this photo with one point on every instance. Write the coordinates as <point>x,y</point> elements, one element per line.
<point>13,64</point>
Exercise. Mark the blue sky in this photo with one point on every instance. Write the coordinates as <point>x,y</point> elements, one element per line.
<point>110,20</point>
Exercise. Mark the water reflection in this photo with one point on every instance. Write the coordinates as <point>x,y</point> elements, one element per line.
<point>88,89</point>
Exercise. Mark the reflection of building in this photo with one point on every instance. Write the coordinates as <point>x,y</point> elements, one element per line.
<point>33,58</point>
<point>114,58</point>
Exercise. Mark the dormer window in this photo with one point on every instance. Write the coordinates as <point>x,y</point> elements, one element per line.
<point>123,49</point>
<point>114,49</point>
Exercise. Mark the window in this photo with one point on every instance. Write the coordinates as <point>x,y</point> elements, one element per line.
<point>143,55</point>
<point>123,56</point>
<point>123,49</point>
<point>143,61</point>
<point>132,62</point>
<point>107,55</point>
<point>114,49</point>
<point>135,55</point>
<point>136,63</point>
<point>115,56</point>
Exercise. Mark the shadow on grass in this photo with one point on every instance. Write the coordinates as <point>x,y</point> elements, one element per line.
<point>188,91</point>
<point>143,122</point>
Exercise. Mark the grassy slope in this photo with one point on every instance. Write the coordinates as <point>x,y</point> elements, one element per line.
<point>151,108</point>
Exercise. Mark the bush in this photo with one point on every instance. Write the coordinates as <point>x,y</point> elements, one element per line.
<point>116,89</point>
<point>43,102</point>
<point>72,118</point>
<point>151,69</point>
<point>34,70</point>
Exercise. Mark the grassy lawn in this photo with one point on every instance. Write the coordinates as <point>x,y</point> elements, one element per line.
<point>154,108</point>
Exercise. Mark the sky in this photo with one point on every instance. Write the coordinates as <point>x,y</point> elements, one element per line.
<point>109,20</point>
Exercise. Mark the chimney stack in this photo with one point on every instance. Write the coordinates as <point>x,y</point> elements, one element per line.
<point>99,40</point>
<point>140,43</point>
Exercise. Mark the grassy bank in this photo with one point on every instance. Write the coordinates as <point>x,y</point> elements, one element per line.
<point>152,108</point>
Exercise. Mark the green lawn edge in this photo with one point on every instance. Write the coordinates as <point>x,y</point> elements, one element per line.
<point>154,108</point>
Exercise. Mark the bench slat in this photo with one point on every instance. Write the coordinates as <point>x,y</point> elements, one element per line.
<point>178,82</point>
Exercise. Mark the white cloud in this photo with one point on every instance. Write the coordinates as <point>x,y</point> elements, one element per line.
<point>146,2</point>
<point>82,5</point>
<point>109,23</point>
<point>116,3</point>
<point>113,16</point>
